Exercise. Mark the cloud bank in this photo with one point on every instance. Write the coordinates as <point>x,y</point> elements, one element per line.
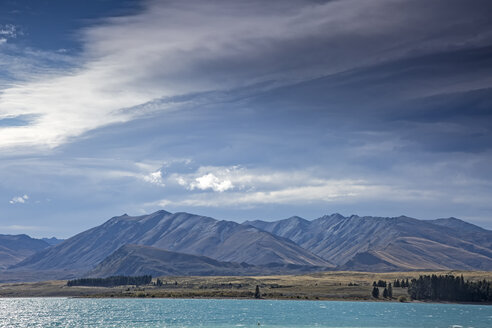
<point>175,48</point>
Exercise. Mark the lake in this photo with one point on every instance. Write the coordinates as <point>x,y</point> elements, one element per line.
<point>69,312</point>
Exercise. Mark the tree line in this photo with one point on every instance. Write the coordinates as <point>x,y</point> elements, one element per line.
<point>387,291</point>
<point>403,283</point>
<point>111,281</point>
<point>449,288</point>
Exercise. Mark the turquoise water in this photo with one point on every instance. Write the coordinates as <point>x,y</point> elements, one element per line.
<point>66,312</point>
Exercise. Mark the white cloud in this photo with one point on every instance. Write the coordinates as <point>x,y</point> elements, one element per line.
<point>251,187</point>
<point>154,178</point>
<point>255,187</point>
<point>210,181</point>
<point>324,191</point>
<point>216,178</point>
<point>19,199</point>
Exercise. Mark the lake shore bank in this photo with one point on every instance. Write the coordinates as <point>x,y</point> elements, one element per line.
<point>330,286</point>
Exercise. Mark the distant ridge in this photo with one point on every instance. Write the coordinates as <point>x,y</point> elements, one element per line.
<point>14,248</point>
<point>389,244</point>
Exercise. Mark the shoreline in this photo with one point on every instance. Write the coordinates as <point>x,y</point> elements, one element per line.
<point>327,286</point>
<point>252,299</point>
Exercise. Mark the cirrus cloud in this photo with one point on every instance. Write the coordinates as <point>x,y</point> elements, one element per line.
<point>175,48</point>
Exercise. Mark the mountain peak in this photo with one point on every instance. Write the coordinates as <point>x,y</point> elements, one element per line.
<point>297,219</point>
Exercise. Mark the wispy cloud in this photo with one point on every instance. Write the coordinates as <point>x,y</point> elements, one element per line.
<point>239,186</point>
<point>7,31</point>
<point>21,228</point>
<point>174,48</point>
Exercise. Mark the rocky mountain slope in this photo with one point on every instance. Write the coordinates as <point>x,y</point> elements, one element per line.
<point>382,244</point>
<point>14,248</point>
<point>178,232</point>
<point>134,260</point>
<point>295,244</point>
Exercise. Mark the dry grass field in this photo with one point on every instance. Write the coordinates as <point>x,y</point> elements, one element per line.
<point>334,285</point>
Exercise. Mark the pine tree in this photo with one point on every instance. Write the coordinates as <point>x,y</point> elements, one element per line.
<point>385,293</point>
<point>375,292</point>
<point>257,292</point>
<point>390,291</point>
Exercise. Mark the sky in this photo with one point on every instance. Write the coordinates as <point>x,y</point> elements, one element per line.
<point>243,110</point>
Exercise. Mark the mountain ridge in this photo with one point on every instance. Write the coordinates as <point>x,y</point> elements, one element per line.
<point>331,242</point>
<point>340,239</point>
<point>14,248</point>
<point>178,232</point>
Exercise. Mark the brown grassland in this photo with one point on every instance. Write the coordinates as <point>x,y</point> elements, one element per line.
<point>332,285</point>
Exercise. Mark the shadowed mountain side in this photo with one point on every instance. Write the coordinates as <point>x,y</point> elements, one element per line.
<point>15,248</point>
<point>467,231</point>
<point>179,232</point>
<point>403,243</point>
<point>410,253</point>
<point>140,260</point>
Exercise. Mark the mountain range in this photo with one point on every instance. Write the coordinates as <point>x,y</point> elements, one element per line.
<point>164,243</point>
<point>225,241</point>
<point>389,244</point>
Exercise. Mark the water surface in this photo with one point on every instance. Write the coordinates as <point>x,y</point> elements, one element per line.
<point>69,312</point>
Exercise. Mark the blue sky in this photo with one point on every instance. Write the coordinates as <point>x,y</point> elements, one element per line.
<point>243,110</point>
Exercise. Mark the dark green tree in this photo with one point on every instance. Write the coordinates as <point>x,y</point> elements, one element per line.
<point>375,292</point>
<point>257,292</point>
<point>449,288</point>
<point>390,290</point>
<point>385,293</point>
<point>381,283</point>
<point>111,281</point>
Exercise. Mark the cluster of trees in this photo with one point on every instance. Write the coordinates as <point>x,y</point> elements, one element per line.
<point>403,283</point>
<point>450,288</point>
<point>387,292</point>
<point>379,283</point>
<point>111,281</point>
